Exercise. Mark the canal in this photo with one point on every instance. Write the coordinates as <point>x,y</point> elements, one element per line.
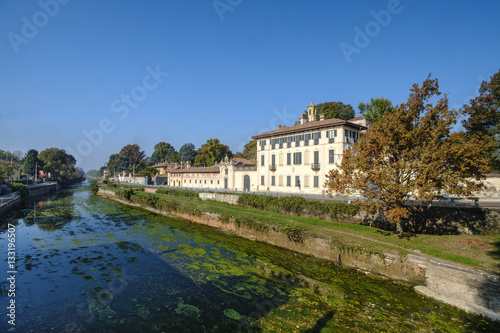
<point>88,264</point>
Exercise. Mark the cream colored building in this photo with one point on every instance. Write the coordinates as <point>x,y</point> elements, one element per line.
<point>296,159</point>
<point>231,174</point>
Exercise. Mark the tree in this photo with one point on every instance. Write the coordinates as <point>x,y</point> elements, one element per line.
<point>250,150</point>
<point>132,154</point>
<point>15,157</point>
<point>335,110</point>
<point>211,152</point>
<point>116,164</point>
<point>60,164</point>
<point>30,161</point>
<point>375,109</point>
<point>187,152</point>
<point>410,153</point>
<point>162,151</point>
<point>484,118</point>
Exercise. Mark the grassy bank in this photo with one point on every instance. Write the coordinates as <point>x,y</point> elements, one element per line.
<point>479,251</point>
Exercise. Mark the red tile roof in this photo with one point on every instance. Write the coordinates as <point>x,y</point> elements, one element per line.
<point>309,126</point>
<point>243,161</point>
<point>210,169</point>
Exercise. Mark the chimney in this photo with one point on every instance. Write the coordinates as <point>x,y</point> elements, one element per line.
<point>303,119</point>
<point>322,117</point>
<point>188,164</point>
<point>279,126</point>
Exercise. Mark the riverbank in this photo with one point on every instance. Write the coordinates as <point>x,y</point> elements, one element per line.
<point>467,287</point>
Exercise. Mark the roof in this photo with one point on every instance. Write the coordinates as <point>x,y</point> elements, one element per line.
<point>9,162</point>
<point>243,161</point>
<point>210,169</point>
<point>162,164</point>
<point>309,126</point>
<point>357,118</point>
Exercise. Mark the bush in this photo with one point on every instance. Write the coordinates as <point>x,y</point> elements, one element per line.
<point>295,234</point>
<point>179,193</point>
<point>257,201</point>
<point>126,193</point>
<point>292,205</point>
<point>94,188</point>
<point>152,200</point>
<point>20,188</point>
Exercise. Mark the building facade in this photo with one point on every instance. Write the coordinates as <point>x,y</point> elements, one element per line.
<point>297,159</point>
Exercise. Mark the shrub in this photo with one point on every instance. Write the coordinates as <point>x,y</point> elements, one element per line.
<point>292,205</point>
<point>179,193</point>
<point>152,200</point>
<point>257,201</point>
<point>295,234</point>
<point>94,188</point>
<point>126,193</point>
<point>20,188</point>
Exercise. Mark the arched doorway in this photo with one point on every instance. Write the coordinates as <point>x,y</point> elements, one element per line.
<point>246,183</point>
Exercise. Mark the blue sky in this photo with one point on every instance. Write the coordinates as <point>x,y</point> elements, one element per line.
<point>126,72</point>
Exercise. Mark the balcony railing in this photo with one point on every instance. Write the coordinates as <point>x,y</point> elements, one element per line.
<point>272,167</point>
<point>315,166</point>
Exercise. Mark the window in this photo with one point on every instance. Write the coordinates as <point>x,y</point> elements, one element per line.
<point>227,170</point>
<point>288,181</point>
<point>316,181</point>
<point>289,141</point>
<point>307,137</point>
<point>288,159</point>
<point>306,181</point>
<point>273,180</point>
<point>316,136</point>
<point>261,160</point>
<point>211,182</point>
<point>331,135</point>
<point>280,180</point>
<point>261,180</point>
<point>297,158</point>
<point>306,157</point>
<point>331,156</point>
<point>297,181</point>
<point>282,140</point>
<point>262,144</point>
<point>205,181</point>
<point>218,182</point>
<point>280,159</point>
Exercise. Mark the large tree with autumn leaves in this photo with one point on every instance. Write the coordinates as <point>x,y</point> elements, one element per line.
<point>410,154</point>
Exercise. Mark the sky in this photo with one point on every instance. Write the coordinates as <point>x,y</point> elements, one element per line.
<point>92,76</point>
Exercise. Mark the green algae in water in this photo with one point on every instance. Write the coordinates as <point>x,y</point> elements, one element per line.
<point>187,310</point>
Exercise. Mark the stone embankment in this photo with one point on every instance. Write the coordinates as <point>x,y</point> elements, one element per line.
<point>465,287</point>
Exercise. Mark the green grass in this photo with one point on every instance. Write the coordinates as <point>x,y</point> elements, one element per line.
<point>478,251</point>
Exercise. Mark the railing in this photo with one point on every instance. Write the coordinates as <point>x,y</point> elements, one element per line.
<point>272,167</point>
<point>315,166</point>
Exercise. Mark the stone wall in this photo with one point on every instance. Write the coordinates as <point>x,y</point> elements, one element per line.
<point>468,289</point>
<point>229,198</point>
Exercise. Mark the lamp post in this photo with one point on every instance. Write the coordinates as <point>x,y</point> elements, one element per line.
<point>36,178</point>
